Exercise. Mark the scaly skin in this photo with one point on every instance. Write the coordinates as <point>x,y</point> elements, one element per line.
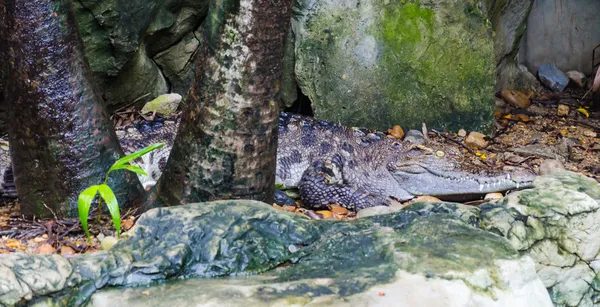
<point>357,169</point>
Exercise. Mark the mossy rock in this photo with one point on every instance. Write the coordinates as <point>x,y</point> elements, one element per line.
<point>378,63</point>
<point>411,256</point>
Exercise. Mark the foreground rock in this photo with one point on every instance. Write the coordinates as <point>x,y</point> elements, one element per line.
<point>378,63</point>
<point>427,256</point>
<point>557,223</point>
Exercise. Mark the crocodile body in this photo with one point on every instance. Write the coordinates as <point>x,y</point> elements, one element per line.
<point>357,168</point>
<point>330,163</point>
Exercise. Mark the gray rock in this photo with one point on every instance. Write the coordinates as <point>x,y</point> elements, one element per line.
<point>508,18</point>
<point>577,77</point>
<point>140,78</point>
<point>550,167</point>
<point>164,104</point>
<point>362,64</point>
<point>415,137</point>
<point>557,223</point>
<point>425,255</point>
<point>121,37</point>
<point>373,211</point>
<point>552,77</point>
<point>515,76</point>
<point>177,64</point>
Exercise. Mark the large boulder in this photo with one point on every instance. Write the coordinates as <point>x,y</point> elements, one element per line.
<point>125,39</point>
<point>379,63</point>
<point>428,257</point>
<point>557,224</point>
<point>436,260</point>
<point>509,20</point>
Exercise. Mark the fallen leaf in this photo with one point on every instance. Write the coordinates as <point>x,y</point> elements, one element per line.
<point>325,213</point>
<point>339,210</point>
<point>492,196</point>
<point>15,244</point>
<point>289,208</point>
<point>66,250</point>
<point>44,249</point>
<point>127,224</point>
<point>396,132</point>
<point>426,199</point>
<point>584,111</point>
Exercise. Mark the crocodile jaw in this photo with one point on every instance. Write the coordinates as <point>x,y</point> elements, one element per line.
<point>429,180</point>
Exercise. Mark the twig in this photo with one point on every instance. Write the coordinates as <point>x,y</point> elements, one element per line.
<point>54,214</point>
<point>7,232</point>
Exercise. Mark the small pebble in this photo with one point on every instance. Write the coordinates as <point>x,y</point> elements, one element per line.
<point>476,140</point>
<point>425,199</point>
<point>578,78</point>
<point>550,166</point>
<point>493,196</point>
<point>45,249</point>
<point>499,103</point>
<point>66,250</point>
<point>108,242</point>
<point>462,133</point>
<point>590,133</point>
<point>562,110</point>
<point>415,137</point>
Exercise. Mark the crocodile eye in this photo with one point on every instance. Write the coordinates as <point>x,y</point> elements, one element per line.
<point>396,145</point>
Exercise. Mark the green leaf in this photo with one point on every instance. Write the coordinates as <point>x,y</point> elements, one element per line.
<point>84,201</point>
<point>113,206</point>
<point>128,158</point>
<point>133,168</point>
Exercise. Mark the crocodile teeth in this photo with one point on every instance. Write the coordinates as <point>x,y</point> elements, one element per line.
<point>508,176</point>
<point>480,187</point>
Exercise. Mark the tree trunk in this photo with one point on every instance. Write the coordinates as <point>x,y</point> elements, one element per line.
<point>61,137</point>
<point>226,145</point>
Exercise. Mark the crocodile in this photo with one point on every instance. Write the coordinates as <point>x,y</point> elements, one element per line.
<point>330,163</point>
<point>357,168</point>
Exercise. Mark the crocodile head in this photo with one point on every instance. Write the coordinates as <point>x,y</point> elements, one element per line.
<point>448,174</point>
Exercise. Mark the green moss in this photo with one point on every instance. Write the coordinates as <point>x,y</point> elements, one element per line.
<point>450,62</point>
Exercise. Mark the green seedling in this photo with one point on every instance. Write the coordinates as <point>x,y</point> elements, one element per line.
<point>86,197</point>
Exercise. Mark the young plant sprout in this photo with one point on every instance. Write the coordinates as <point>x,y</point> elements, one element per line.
<point>86,197</point>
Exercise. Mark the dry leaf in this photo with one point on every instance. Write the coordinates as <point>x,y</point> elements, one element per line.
<point>584,111</point>
<point>325,213</point>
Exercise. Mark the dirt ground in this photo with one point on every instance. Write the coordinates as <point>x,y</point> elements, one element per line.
<point>559,127</point>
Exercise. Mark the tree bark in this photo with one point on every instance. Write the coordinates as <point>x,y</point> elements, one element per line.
<point>61,137</point>
<point>226,145</point>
